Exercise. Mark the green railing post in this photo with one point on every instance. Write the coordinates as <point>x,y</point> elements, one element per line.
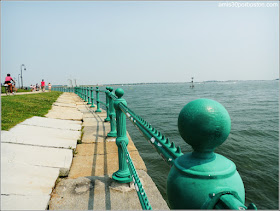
<point>86,99</point>
<point>84,94</point>
<point>107,119</point>
<point>92,98</point>
<point>203,179</point>
<point>97,100</point>
<point>88,96</point>
<point>112,115</point>
<point>123,174</point>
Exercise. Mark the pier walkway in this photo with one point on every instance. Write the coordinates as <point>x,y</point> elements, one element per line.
<point>35,152</point>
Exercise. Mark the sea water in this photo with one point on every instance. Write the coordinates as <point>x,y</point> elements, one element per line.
<point>253,141</point>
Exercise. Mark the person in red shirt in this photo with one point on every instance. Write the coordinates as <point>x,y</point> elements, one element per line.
<point>43,85</point>
<point>8,80</point>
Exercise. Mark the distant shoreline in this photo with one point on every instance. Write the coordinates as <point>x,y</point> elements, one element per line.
<point>188,82</point>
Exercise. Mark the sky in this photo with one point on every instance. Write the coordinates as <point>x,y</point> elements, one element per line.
<point>114,42</point>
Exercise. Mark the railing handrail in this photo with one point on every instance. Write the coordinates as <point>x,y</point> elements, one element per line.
<point>167,150</point>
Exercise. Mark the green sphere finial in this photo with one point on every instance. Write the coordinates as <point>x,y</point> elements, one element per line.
<point>119,92</point>
<point>204,124</point>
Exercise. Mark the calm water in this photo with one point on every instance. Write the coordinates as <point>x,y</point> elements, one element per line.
<point>253,141</point>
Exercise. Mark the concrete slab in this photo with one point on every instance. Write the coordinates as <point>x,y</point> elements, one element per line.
<point>92,131</point>
<point>88,115</point>
<point>53,123</point>
<point>100,165</point>
<point>10,137</point>
<point>27,130</point>
<point>93,121</point>
<point>37,156</point>
<point>72,105</point>
<point>23,179</point>
<point>129,201</point>
<point>64,113</point>
<point>41,136</point>
<point>99,193</point>
<point>18,202</point>
<point>81,103</point>
<point>102,115</point>
<point>92,139</point>
<point>102,148</point>
<point>85,108</point>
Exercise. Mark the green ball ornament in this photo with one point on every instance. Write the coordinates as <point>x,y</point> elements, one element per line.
<point>204,124</point>
<point>119,92</point>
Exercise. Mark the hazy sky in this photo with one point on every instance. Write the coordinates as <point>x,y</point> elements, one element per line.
<point>129,42</point>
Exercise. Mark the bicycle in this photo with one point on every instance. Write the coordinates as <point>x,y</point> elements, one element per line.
<point>7,89</point>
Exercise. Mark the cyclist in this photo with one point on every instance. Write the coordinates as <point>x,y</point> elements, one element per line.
<point>8,80</point>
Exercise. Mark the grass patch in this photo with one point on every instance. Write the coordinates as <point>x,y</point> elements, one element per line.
<point>17,108</point>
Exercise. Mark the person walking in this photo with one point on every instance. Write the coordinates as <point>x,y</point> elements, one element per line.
<point>50,87</point>
<point>43,85</point>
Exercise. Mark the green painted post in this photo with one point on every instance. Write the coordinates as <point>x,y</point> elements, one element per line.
<point>88,95</point>
<point>123,174</point>
<point>107,119</point>
<point>199,179</point>
<point>86,99</point>
<point>112,115</point>
<point>92,98</point>
<point>97,100</point>
<point>84,91</point>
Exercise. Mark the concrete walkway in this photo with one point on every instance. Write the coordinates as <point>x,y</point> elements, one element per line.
<point>88,185</point>
<point>34,154</point>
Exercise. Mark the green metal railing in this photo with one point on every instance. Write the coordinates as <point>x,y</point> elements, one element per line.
<point>137,183</point>
<point>167,150</point>
<point>200,179</point>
